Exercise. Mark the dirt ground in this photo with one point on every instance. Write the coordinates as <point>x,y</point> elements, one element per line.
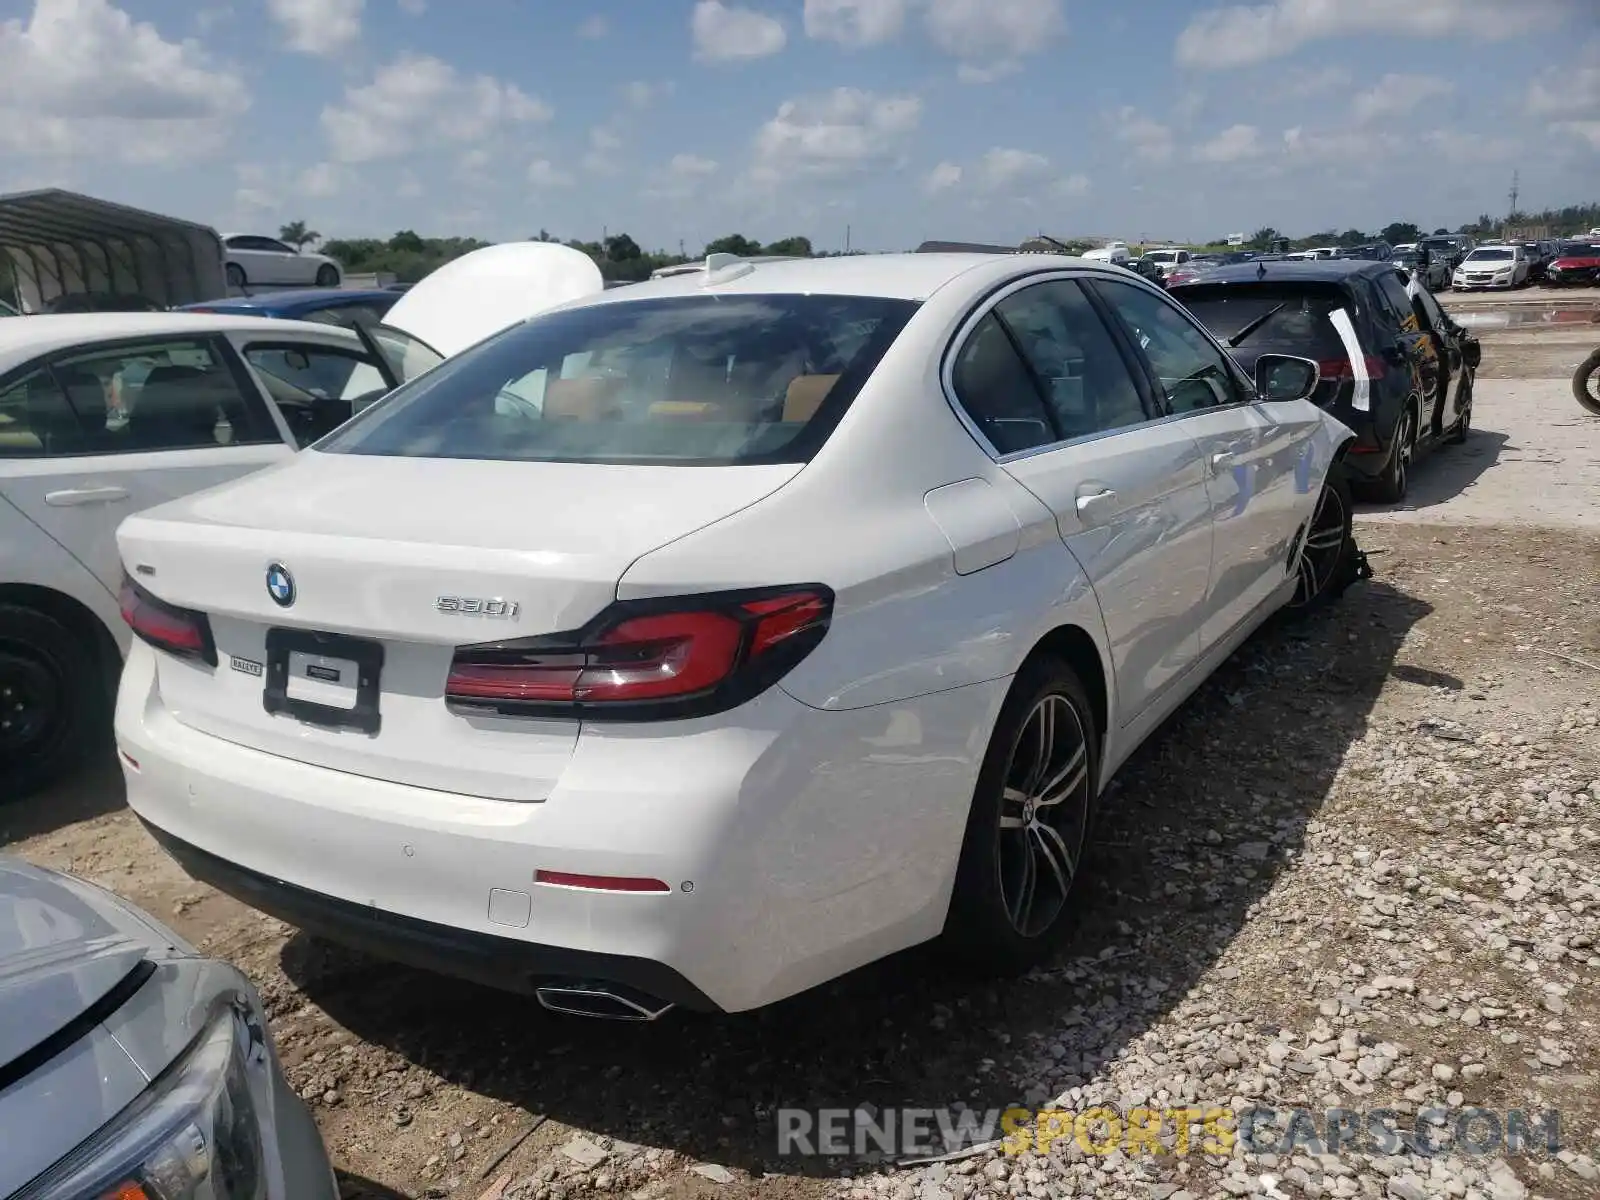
<point>1360,867</point>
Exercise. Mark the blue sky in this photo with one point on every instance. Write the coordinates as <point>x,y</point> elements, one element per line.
<point>681,120</point>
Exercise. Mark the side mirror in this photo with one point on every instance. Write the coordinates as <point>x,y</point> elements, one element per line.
<point>1283,377</point>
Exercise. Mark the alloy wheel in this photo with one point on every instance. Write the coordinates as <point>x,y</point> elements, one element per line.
<point>1404,446</point>
<point>1323,547</point>
<point>1044,815</point>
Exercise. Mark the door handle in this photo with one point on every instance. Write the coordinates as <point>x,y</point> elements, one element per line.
<point>70,497</point>
<point>1221,461</point>
<point>1091,497</point>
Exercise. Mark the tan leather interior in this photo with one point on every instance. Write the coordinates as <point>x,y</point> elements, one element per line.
<point>579,399</point>
<point>805,396</point>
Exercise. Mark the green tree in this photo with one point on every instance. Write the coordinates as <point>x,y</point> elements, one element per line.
<point>620,248</point>
<point>407,241</point>
<point>297,235</point>
<point>1439,232</point>
<point>1399,231</point>
<point>798,247</point>
<point>1262,238</point>
<point>1352,237</point>
<point>734,243</point>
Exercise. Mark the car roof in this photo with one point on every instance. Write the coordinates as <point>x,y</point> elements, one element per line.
<point>23,338</point>
<point>297,299</point>
<point>893,276</point>
<point>1290,270</point>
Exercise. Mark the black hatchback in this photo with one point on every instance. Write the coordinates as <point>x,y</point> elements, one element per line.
<point>1395,368</point>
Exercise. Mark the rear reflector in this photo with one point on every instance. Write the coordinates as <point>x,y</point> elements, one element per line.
<point>600,883</point>
<point>178,631</point>
<point>1340,368</point>
<point>645,660</point>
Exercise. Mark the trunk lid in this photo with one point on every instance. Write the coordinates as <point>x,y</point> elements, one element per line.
<point>481,293</point>
<point>372,544</point>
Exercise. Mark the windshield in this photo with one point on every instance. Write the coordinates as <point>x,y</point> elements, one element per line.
<point>1496,255</point>
<point>700,380</point>
<point>1405,256</point>
<point>1162,256</point>
<point>1581,250</point>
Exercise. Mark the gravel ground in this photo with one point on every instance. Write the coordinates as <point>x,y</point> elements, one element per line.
<point>1360,870</point>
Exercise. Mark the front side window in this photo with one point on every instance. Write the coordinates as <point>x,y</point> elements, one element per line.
<point>316,388</point>
<point>173,395</point>
<point>1194,373</point>
<point>1394,295</point>
<point>716,379</point>
<point>35,419</point>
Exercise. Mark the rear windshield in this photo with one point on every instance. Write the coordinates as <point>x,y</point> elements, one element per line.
<point>684,379</point>
<point>1489,256</point>
<point>1581,250</point>
<point>1162,256</point>
<point>1302,323</point>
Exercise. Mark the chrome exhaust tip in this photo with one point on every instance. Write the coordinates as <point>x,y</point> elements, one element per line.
<point>602,1001</point>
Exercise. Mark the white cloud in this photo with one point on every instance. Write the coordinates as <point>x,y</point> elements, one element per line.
<point>726,33</point>
<point>542,173</point>
<point>413,8</point>
<point>1149,138</point>
<point>1071,186</point>
<point>594,28</point>
<point>81,77</point>
<point>1003,168</point>
<point>642,94</point>
<point>989,36</point>
<point>605,142</point>
<point>318,26</point>
<point>1233,144</point>
<point>1395,95</point>
<point>682,178</point>
<point>1588,131</point>
<point>943,177</point>
<point>855,23</point>
<point>1320,81</point>
<point>1568,91</point>
<point>833,134</point>
<point>417,103</point>
<point>1240,34</point>
<point>323,179</point>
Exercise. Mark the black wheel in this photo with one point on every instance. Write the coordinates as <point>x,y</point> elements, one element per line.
<point>1395,480</point>
<point>1586,384</point>
<point>327,276</point>
<point>236,278</point>
<point>1458,431</point>
<point>1028,826</point>
<point>1324,567</point>
<point>53,701</point>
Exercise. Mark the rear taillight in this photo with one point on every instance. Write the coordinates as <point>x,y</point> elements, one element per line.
<point>649,660</point>
<point>179,631</point>
<point>1340,368</point>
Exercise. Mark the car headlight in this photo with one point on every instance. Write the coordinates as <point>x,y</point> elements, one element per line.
<point>193,1135</point>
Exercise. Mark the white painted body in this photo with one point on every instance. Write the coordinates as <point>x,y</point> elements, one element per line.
<point>268,262</point>
<point>808,831</point>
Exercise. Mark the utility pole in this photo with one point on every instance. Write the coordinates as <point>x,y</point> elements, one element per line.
<point>1513,211</point>
<point>847,239</point>
<point>681,253</point>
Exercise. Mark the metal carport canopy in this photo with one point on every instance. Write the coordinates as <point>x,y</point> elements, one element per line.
<point>61,242</point>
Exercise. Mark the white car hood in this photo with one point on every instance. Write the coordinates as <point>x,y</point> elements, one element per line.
<point>1486,264</point>
<point>481,293</point>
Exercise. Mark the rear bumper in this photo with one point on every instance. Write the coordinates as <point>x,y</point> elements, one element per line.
<point>499,962</point>
<point>794,844</point>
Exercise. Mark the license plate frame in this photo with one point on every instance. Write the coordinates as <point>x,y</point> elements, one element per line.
<point>364,717</point>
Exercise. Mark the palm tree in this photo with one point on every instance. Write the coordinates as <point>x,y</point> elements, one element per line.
<point>297,235</point>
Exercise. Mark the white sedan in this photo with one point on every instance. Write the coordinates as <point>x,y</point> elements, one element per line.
<point>702,640</point>
<point>257,261</point>
<point>1492,267</point>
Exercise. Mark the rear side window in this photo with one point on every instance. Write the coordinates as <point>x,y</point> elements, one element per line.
<point>684,379</point>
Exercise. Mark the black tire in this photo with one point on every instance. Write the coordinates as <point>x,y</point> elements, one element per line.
<point>988,928</point>
<point>236,276</point>
<point>1327,562</point>
<point>1394,481</point>
<point>327,276</point>
<point>1586,384</point>
<point>54,705</point>
<point>1458,432</point>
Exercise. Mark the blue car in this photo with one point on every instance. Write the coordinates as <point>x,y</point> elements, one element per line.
<point>331,306</point>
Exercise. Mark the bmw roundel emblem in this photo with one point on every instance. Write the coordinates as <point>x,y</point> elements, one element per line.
<point>280,585</point>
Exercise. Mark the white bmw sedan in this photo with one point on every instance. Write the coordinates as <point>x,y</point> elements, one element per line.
<point>699,641</point>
